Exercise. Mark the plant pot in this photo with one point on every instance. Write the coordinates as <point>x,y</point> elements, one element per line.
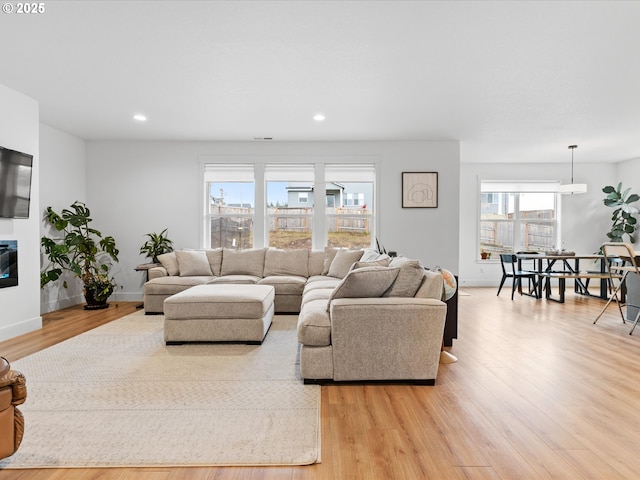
<point>484,255</point>
<point>94,302</point>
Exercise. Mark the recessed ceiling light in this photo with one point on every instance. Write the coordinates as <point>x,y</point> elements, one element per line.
<point>140,118</point>
<point>319,117</point>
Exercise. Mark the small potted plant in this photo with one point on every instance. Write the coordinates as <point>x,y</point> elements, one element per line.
<point>81,250</point>
<point>485,255</point>
<point>157,244</point>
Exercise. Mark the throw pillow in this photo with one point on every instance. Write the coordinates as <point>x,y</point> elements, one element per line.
<point>192,263</point>
<point>371,255</point>
<point>343,261</point>
<point>169,262</point>
<point>329,255</point>
<point>384,262</point>
<point>409,278</point>
<point>366,282</point>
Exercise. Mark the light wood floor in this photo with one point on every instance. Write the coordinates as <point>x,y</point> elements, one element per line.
<point>538,393</point>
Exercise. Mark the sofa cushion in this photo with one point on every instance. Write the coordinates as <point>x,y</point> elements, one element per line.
<point>285,284</point>
<point>342,262</point>
<point>314,324</point>
<point>317,294</point>
<point>173,285</point>
<point>329,255</point>
<point>192,263</point>
<point>244,262</point>
<point>329,282</point>
<point>169,262</point>
<point>316,262</point>
<point>365,282</point>
<point>286,262</point>
<point>215,260</point>
<point>432,286</point>
<point>236,279</point>
<point>409,278</point>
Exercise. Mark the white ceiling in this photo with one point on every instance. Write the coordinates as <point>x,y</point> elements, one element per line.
<point>512,81</point>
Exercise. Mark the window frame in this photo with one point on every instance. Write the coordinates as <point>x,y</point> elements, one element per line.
<point>260,163</point>
<point>516,188</point>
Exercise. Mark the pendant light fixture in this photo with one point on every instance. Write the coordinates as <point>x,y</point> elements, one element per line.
<point>572,188</point>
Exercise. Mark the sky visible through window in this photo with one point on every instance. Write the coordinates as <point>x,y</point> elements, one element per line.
<point>237,193</point>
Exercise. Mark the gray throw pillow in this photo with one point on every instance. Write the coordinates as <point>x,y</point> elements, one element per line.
<point>409,278</point>
<point>169,262</point>
<point>329,255</point>
<point>366,282</point>
<point>193,263</point>
<point>343,261</point>
<point>384,262</point>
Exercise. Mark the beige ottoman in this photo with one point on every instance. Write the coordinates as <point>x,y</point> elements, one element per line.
<point>219,313</point>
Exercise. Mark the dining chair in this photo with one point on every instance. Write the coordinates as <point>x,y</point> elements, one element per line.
<point>621,260</point>
<point>509,264</point>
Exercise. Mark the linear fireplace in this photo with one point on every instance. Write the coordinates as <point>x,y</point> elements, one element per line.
<point>8,263</point>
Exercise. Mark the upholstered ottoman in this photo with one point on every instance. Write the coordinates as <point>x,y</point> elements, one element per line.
<point>219,313</point>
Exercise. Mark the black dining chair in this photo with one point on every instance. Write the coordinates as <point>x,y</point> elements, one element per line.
<point>509,264</point>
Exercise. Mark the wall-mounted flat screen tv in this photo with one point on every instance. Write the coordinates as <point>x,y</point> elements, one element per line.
<point>15,183</point>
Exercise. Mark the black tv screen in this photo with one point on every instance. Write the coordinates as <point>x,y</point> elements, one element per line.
<point>15,183</point>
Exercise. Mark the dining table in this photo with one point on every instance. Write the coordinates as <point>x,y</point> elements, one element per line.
<point>561,266</point>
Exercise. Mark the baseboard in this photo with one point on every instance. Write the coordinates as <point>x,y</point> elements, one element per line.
<point>20,328</point>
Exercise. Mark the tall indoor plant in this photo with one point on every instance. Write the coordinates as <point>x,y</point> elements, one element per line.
<point>623,218</point>
<point>81,250</point>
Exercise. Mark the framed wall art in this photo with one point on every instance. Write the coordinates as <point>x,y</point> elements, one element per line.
<point>419,189</point>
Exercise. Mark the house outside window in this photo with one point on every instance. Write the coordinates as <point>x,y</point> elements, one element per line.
<point>518,216</point>
<point>351,224</point>
<point>289,212</point>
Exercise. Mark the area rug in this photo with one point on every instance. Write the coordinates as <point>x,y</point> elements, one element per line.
<point>117,396</point>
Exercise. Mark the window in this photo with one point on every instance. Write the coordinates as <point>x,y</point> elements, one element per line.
<point>251,205</point>
<point>289,205</point>
<point>231,202</point>
<point>354,199</point>
<point>518,216</point>
<point>352,185</point>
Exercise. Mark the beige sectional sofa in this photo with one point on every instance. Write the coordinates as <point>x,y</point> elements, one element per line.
<point>362,315</point>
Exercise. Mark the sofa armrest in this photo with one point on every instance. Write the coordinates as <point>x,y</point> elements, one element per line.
<point>157,272</point>
<point>390,338</point>
<point>15,381</point>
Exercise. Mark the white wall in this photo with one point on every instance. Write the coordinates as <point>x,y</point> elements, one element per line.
<point>585,220</point>
<point>63,181</point>
<point>19,308</point>
<point>134,188</point>
<point>629,174</point>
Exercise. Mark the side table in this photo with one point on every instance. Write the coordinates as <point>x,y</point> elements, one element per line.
<point>145,267</point>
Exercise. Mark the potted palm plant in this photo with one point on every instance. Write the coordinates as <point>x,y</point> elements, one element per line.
<point>82,250</point>
<point>156,244</point>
